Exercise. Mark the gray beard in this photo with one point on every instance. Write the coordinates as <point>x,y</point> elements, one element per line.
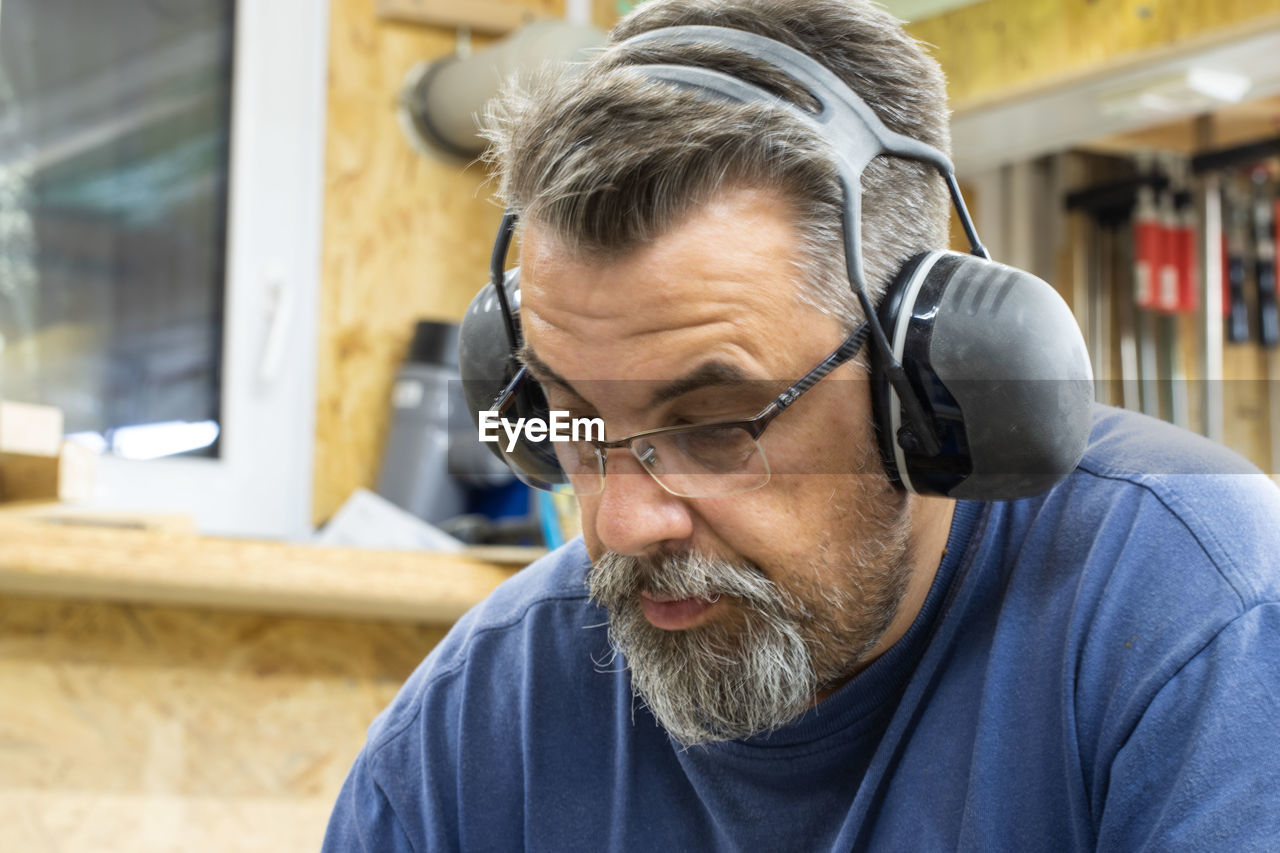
<point>754,669</point>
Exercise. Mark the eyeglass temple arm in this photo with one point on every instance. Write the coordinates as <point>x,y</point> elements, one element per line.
<point>846,351</point>
<point>507,395</point>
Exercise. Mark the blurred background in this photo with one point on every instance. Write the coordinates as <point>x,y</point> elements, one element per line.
<point>238,498</point>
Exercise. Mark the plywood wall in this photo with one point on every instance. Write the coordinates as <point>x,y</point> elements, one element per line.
<point>140,729</point>
<point>1002,48</point>
<point>401,241</point>
<point>406,237</point>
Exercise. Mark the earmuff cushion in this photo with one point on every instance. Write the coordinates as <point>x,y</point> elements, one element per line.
<point>486,365</point>
<point>485,360</point>
<point>907,312</point>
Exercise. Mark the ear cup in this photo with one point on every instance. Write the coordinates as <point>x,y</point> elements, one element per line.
<point>534,463</point>
<point>487,367</point>
<point>999,365</point>
<point>485,360</point>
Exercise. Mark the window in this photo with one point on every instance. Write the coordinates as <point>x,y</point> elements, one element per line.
<point>160,195</point>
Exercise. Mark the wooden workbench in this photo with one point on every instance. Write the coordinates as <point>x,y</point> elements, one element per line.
<point>78,559</point>
<point>162,690</point>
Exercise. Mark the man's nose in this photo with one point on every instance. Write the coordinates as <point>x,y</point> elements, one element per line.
<point>634,514</point>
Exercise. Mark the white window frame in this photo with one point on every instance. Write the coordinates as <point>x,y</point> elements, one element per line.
<point>262,483</point>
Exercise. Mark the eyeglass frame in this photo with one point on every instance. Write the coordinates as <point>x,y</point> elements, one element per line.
<point>754,426</point>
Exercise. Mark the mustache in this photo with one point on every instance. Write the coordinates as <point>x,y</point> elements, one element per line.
<point>616,580</point>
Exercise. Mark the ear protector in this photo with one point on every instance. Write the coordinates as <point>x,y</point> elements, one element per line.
<point>982,386</point>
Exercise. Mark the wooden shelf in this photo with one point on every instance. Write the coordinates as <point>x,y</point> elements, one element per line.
<point>483,16</point>
<point>1232,124</point>
<point>74,559</point>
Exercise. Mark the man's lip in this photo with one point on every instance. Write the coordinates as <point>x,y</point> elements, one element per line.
<point>676,614</point>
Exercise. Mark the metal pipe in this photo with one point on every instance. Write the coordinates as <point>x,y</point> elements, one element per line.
<point>439,101</point>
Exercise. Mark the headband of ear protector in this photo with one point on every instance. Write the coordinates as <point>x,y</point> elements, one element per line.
<point>981,383</point>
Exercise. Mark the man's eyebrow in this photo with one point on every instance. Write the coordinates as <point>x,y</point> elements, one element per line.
<point>711,374</point>
<point>542,371</point>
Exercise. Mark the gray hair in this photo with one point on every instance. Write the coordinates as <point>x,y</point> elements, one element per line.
<point>608,160</point>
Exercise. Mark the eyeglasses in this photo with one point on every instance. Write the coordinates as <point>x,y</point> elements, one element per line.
<point>689,461</point>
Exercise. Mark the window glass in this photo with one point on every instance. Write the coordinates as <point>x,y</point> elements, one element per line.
<point>114,143</point>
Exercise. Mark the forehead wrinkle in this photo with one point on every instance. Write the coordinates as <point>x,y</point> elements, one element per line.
<point>589,345</point>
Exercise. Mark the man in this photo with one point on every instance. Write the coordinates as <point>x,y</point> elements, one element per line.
<point>800,654</point>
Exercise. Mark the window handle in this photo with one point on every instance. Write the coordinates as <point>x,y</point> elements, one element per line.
<point>279,310</point>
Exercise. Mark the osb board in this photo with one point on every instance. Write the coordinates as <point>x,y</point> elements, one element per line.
<point>143,729</point>
<point>489,16</point>
<point>71,559</point>
<point>75,514</point>
<point>1005,48</point>
<point>486,16</point>
<point>406,237</point>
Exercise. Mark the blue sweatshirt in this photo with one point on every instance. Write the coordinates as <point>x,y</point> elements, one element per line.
<point>1094,668</point>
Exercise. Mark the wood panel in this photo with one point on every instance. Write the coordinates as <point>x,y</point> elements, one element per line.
<point>139,729</point>
<point>406,237</point>
<point>70,559</point>
<point>1003,48</point>
<point>486,16</point>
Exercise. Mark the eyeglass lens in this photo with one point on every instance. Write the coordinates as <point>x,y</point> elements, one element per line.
<point>702,462</point>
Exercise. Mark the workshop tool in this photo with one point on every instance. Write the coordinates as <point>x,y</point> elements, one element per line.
<point>1211,165</point>
<point>1264,253</point>
<point>1149,249</point>
<point>1099,331</point>
<point>1181,235</point>
<point>1273,358</point>
<point>1114,279</point>
<point>1235,217</point>
<point>1215,276</point>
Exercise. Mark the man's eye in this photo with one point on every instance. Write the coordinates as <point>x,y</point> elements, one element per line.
<point>713,416</point>
<point>715,449</point>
